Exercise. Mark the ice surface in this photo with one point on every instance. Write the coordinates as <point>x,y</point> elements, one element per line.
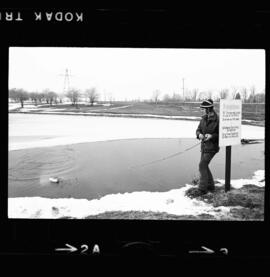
<point>51,130</point>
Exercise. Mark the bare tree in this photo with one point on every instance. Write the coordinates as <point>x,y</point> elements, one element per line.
<point>34,97</point>
<point>52,96</point>
<point>234,92</point>
<point>176,97</point>
<point>19,95</point>
<point>49,96</point>
<point>73,95</point>
<point>237,96</point>
<point>188,95</point>
<point>156,95</point>
<point>244,94</point>
<point>194,94</point>
<point>110,97</point>
<point>216,97</point>
<point>12,93</point>
<point>209,94</point>
<point>260,97</point>
<point>252,98</point>
<point>166,97</point>
<point>45,95</point>
<point>60,97</point>
<point>202,95</point>
<point>23,96</point>
<point>224,93</point>
<point>92,95</point>
<point>41,97</point>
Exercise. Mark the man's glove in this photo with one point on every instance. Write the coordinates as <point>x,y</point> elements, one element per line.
<point>207,137</point>
<point>201,136</point>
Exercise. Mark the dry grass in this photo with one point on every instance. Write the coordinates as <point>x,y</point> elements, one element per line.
<point>254,112</point>
<point>248,201</point>
<point>146,215</point>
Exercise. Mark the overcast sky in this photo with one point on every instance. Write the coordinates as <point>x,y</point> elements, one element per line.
<point>129,73</point>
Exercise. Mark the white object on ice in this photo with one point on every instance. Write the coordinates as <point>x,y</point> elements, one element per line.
<point>54,180</point>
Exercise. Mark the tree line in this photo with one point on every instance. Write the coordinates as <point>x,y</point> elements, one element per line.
<point>74,95</point>
<point>50,97</point>
<point>247,95</point>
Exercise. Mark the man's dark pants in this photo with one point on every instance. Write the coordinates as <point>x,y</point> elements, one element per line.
<point>206,178</point>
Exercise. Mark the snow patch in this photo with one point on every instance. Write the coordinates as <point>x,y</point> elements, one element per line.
<point>13,106</point>
<point>173,202</point>
<point>258,179</point>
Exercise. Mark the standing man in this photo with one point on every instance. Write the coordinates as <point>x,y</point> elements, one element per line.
<point>207,133</point>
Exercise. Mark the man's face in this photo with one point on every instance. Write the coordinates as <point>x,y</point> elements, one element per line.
<point>203,111</point>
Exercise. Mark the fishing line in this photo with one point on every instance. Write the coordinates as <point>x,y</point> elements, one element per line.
<point>167,157</point>
<point>243,141</point>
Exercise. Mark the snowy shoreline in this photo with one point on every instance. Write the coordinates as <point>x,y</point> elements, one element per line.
<point>173,202</point>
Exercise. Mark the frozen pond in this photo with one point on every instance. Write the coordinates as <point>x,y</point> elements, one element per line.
<point>97,168</point>
<point>37,130</point>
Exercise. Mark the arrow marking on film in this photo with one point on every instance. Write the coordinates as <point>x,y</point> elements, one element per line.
<point>70,248</point>
<point>205,251</point>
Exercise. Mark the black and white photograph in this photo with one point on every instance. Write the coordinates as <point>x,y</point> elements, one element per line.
<point>136,133</point>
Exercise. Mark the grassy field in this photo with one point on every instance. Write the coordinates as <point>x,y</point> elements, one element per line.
<point>254,112</point>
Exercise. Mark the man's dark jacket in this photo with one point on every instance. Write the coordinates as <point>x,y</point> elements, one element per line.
<point>209,125</point>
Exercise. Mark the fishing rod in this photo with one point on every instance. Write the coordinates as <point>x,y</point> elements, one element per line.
<point>167,157</point>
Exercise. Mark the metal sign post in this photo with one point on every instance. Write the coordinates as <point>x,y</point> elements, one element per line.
<point>230,119</point>
<point>228,168</point>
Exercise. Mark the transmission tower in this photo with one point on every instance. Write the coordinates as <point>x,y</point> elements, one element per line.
<point>67,76</point>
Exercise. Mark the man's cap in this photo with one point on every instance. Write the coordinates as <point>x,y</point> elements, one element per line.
<point>207,104</point>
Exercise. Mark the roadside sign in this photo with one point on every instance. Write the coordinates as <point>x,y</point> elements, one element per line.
<point>230,120</point>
